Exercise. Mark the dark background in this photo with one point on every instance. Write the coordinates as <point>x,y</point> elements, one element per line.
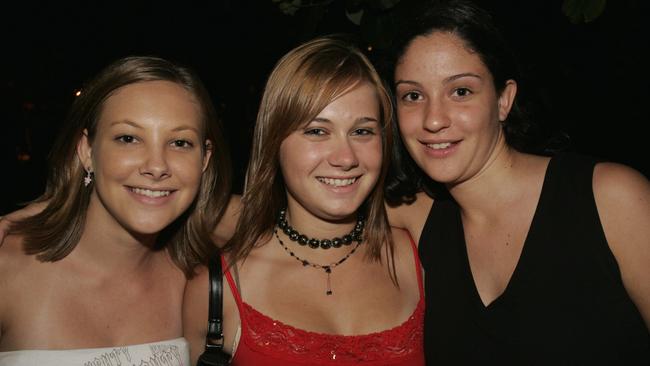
<point>591,79</point>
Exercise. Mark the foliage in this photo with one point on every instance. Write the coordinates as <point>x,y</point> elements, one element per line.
<point>579,11</point>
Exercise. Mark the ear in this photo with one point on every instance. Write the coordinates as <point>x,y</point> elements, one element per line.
<point>207,154</point>
<point>84,151</point>
<point>507,99</point>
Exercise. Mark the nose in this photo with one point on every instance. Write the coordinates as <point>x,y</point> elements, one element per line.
<point>155,164</point>
<point>343,154</point>
<point>436,117</point>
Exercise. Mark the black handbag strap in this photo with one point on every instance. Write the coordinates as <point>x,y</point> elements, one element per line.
<point>214,338</point>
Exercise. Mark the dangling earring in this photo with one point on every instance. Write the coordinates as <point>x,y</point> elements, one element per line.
<point>88,178</point>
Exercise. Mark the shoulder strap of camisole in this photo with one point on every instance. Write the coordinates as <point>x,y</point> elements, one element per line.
<point>234,290</point>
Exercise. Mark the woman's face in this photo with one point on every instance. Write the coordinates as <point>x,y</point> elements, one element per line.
<point>331,164</point>
<point>448,109</point>
<point>147,156</point>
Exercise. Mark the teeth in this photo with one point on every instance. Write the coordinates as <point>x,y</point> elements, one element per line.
<point>337,182</point>
<point>443,145</point>
<point>150,193</point>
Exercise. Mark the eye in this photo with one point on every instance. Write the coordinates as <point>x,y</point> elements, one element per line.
<point>314,132</point>
<point>412,96</point>
<point>363,132</point>
<point>182,144</point>
<point>126,139</point>
<point>462,92</point>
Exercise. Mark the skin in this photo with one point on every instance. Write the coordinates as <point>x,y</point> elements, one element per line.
<point>113,289</point>
<point>445,95</point>
<point>497,187</point>
<point>342,141</point>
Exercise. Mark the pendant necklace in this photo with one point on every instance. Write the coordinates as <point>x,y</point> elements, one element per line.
<point>358,233</point>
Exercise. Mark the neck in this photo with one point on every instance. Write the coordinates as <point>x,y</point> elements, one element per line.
<point>495,185</point>
<point>109,246</point>
<point>318,228</point>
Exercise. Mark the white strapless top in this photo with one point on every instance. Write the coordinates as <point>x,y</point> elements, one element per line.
<point>173,352</point>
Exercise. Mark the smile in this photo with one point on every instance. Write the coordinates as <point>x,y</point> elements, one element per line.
<point>337,182</point>
<point>149,192</point>
<point>439,146</point>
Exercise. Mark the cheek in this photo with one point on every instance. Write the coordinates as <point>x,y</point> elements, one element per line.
<point>188,169</point>
<point>114,164</point>
<point>296,156</point>
<point>408,123</point>
<point>371,154</point>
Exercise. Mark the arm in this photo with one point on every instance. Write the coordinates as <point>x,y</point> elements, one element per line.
<point>226,226</point>
<point>195,313</point>
<point>623,200</point>
<point>411,217</point>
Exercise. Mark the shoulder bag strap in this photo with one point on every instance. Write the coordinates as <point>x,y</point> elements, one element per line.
<point>214,338</point>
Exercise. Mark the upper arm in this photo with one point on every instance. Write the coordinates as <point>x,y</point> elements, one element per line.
<point>226,226</point>
<point>411,216</point>
<point>623,200</point>
<point>195,312</point>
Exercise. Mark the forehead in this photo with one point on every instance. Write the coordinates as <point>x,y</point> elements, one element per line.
<point>439,52</point>
<point>358,100</point>
<point>149,103</point>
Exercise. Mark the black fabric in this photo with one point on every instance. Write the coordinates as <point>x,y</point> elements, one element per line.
<point>565,303</point>
<point>213,355</point>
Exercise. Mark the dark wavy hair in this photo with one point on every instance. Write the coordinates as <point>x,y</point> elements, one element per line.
<point>478,30</point>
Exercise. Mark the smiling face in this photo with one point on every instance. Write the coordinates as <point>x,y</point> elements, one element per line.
<point>448,109</point>
<point>147,156</point>
<point>331,164</point>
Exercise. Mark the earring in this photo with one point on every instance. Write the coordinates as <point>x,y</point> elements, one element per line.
<point>88,178</point>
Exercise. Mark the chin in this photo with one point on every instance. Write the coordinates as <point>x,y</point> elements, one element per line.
<point>150,227</point>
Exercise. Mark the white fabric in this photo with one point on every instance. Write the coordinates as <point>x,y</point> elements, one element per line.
<point>173,352</point>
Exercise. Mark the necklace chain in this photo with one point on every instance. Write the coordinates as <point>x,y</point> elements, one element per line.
<point>293,234</point>
<point>327,267</point>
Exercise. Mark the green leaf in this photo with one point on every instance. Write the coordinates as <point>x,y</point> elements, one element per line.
<point>579,11</point>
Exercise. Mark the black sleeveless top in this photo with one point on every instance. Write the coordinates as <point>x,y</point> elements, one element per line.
<point>565,303</point>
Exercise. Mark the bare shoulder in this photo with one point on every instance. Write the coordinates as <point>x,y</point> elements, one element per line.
<point>411,216</point>
<point>12,256</point>
<point>196,290</point>
<point>13,264</point>
<point>195,311</point>
<point>226,226</point>
<point>622,197</point>
<point>402,238</point>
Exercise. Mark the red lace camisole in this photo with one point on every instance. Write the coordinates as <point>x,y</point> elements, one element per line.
<point>265,341</point>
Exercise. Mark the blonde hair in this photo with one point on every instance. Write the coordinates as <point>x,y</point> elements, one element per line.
<point>52,234</point>
<point>301,85</point>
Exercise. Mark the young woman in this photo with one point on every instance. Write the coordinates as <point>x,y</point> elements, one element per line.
<point>532,260</point>
<point>314,274</point>
<point>140,175</point>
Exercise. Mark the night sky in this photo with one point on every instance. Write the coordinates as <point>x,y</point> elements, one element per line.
<point>591,80</point>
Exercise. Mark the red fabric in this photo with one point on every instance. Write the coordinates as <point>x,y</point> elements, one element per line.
<point>269,342</point>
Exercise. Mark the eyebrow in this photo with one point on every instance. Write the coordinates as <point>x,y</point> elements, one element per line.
<point>356,121</point>
<point>135,125</point>
<point>446,80</point>
<point>126,122</point>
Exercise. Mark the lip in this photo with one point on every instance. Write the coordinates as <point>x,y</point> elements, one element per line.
<point>340,189</point>
<point>440,151</point>
<point>151,200</point>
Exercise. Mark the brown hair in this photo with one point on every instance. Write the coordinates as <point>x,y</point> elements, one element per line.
<point>52,234</point>
<point>301,85</point>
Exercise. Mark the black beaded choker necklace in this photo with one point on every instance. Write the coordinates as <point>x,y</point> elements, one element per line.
<point>355,235</point>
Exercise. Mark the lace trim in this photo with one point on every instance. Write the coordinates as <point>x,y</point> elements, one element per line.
<point>275,338</point>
